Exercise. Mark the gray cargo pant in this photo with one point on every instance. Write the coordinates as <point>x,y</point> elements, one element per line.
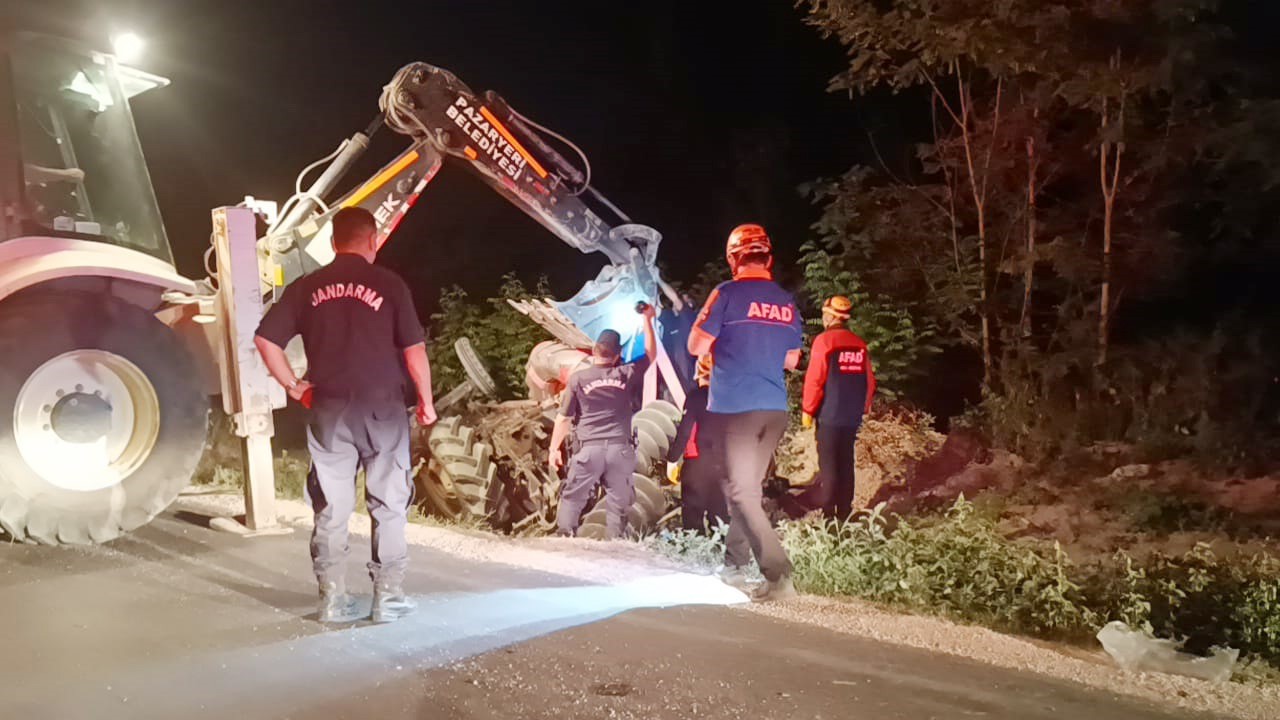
<point>747,441</point>
<point>610,461</point>
<point>344,435</point>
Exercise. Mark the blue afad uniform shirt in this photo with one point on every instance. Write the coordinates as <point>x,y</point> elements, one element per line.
<point>755,324</point>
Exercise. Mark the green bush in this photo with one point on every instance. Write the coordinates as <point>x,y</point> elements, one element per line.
<point>1206,600</point>
<point>959,565</point>
<point>1213,404</point>
<point>500,334</point>
<point>898,346</point>
<point>702,551</point>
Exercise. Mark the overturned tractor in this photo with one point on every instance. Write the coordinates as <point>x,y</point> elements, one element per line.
<point>486,461</point>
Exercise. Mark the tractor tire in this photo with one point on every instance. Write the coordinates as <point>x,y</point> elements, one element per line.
<point>655,429</point>
<point>102,421</point>
<point>474,367</point>
<point>594,522</point>
<point>650,496</point>
<point>671,412</point>
<point>460,474</point>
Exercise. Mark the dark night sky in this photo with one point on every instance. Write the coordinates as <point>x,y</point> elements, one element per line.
<point>696,115</point>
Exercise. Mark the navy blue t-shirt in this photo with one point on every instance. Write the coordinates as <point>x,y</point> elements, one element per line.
<point>355,319</point>
<point>755,324</point>
<point>600,400</point>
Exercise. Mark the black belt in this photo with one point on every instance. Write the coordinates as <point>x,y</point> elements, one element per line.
<point>360,396</point>
<point>605,441</point>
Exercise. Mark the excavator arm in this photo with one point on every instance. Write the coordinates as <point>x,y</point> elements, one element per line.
<point>447,122</point>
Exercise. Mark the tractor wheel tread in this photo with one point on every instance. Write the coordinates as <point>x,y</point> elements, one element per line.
<point>658,420</point>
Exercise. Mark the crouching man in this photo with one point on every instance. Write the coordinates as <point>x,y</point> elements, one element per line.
<point>598,404</point>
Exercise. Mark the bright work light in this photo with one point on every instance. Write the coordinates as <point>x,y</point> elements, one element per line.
<point>127,47</point>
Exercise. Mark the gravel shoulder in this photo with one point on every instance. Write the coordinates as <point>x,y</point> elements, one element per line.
<point>619,563</point>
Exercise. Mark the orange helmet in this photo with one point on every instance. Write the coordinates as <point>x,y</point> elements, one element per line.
<point>703,373</point>
<point>838,306</point>
<point>749,239</point>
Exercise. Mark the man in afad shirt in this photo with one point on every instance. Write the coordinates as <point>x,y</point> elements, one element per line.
<point>838,387</point>
<point>598,403</point>
<point>752,329</point>
<point>361,333</point>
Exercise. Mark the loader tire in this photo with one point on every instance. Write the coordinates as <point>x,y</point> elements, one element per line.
<point>102,418</point>
<point>655,429</point>
<point>461,474</point>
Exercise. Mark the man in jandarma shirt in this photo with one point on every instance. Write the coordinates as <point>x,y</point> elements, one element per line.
<point>752,330</point>
<point>597,406</point>
<point>360,332</point>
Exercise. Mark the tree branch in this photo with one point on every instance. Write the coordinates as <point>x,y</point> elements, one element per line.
<point>951,188</point>
<point>995,131</point>
<point>897,180</point>
<point>937,92</point>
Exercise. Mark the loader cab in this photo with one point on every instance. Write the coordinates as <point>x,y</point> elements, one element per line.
<point>71,163</point>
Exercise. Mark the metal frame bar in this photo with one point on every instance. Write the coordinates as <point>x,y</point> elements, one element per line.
<point>249,393</point>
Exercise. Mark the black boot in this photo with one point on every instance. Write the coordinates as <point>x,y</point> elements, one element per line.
<point>336,606</point>
<point>390,603</point>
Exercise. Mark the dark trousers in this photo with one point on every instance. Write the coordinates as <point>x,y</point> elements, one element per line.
<point>343,436</point>
<point>609,461</point>
<point>702,500</point>
<point>834,485</point>
<point>746,441</point>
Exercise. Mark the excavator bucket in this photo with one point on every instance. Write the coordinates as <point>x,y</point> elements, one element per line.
<point>609,301</point>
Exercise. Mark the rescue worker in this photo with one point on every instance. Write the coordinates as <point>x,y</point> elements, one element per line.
<point>838,387</point>
<point>753,330</point>
<point>598,404</point>
<point>676,321</point>
<point>702,502</point>
<point>361,332</point>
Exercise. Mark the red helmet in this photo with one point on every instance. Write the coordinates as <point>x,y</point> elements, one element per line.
<point>749,239</point>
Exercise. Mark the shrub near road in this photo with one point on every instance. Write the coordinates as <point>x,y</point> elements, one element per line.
<point>959,565</point>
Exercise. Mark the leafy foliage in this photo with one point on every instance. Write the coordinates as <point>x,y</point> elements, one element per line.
<point>1088,163</point>
<point>1206,397</point>
<point>501,336</point>
<point>897,345</point>
<point>1198,596</point>
<point>704,551</point>
<point>959,565</point>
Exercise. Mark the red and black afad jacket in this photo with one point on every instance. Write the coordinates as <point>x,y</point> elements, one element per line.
<point>839,383</point>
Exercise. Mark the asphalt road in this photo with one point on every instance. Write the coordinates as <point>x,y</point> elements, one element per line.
<point>181,622</point>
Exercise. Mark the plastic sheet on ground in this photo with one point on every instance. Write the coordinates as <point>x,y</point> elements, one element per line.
<point>1138,650</point>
